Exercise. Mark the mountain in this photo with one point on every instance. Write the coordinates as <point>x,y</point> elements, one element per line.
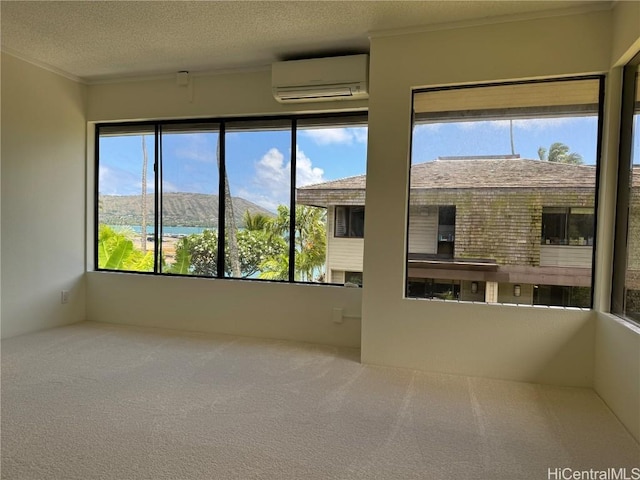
<point>178,209</point>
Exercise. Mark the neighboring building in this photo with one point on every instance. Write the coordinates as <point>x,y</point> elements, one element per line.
<point>494,229</point>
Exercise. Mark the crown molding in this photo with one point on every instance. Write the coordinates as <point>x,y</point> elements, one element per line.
<point>107,80</point>
<point>45,66</point>
<point>479,22</point>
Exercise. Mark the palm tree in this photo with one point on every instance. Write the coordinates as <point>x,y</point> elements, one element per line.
<point>513,149</point>
<point>559,153</point>
<point>310,242</point>
<point>255,222</point>
<point>143,227</point>
<point>311,239</point>
<point>230,223</point>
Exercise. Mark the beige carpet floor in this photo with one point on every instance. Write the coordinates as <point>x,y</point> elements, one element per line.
<point>97,401</point>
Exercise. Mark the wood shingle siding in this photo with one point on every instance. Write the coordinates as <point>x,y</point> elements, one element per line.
<point>501,224</point>
<point>632,278</point>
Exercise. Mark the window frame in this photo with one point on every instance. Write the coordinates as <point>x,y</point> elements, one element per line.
<point>514,113</point>
<point>629,98</point>
<point>350,118</point>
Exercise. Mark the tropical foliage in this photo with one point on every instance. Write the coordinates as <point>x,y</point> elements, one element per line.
<point>116,251</point>
<point>200,253</point>
<point>559,153</point>
<point>310,244</point>
<point>262,248</point>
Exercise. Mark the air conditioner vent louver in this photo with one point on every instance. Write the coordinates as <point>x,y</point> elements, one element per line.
<point>321,79</point>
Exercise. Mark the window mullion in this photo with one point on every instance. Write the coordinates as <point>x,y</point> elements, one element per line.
<point>292,203</point>
<point>221,200</point>
<point>96,201</point>
<point>157,218</point>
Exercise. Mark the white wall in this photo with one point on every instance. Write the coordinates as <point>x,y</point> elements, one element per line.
<point>519,343</point>
<point>617,346</point>
<point>617,369</point>
<point>626,33</point>
<point>255,309</point>
<point>233,94</point>
<point>43,190</point>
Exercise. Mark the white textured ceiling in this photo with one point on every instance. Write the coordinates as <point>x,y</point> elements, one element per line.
<point>97,40</point>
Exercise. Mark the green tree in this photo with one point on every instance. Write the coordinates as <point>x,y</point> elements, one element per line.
<point>200,252</point>
<point>255,247</point>
<point>143,227</point>
<point>559,153</point>
<point>182,265</point>
<point>257,221</point>
<point>276,268</point>
<point>310,243</point>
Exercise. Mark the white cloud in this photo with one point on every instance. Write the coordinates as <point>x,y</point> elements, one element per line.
<point>270,185</point>
<point>500,124</point>
<point>306,173</point>
<point>528,124</point>
<point>115,181</point>
<point>542,123</point>
<point>272,170</point>
<point>196,147</point>
<point>360,134</point>
<point>427,127</point>
<point>469,125</point>
<point>344,136</point>
<point>168,187</point>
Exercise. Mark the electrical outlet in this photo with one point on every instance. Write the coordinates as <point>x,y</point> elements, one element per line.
<point>64,296</point>
<point>337,315</point>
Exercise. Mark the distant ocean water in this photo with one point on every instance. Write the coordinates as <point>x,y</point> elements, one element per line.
<point>165,230</point>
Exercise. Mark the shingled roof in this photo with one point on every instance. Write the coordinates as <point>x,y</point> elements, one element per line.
<point>483,173</point>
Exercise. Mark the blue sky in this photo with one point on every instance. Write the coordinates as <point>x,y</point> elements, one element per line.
<point>258,162</point>
<point>492,138</point>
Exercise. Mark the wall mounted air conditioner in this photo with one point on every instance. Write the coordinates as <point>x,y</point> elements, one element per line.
<point>321,79</point>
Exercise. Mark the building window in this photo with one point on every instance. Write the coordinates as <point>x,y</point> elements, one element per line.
<point>446,231</point>
<point>224,198</point>
<point>501,176</point>
<point>434,288</point>
<point>350,222</point>
<point>562,296</point>
<point>567,226</point>
<point>353,278</point>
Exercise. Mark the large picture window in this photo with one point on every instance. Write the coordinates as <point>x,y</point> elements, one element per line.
<point>502,192</point>
<point>245,198</point>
